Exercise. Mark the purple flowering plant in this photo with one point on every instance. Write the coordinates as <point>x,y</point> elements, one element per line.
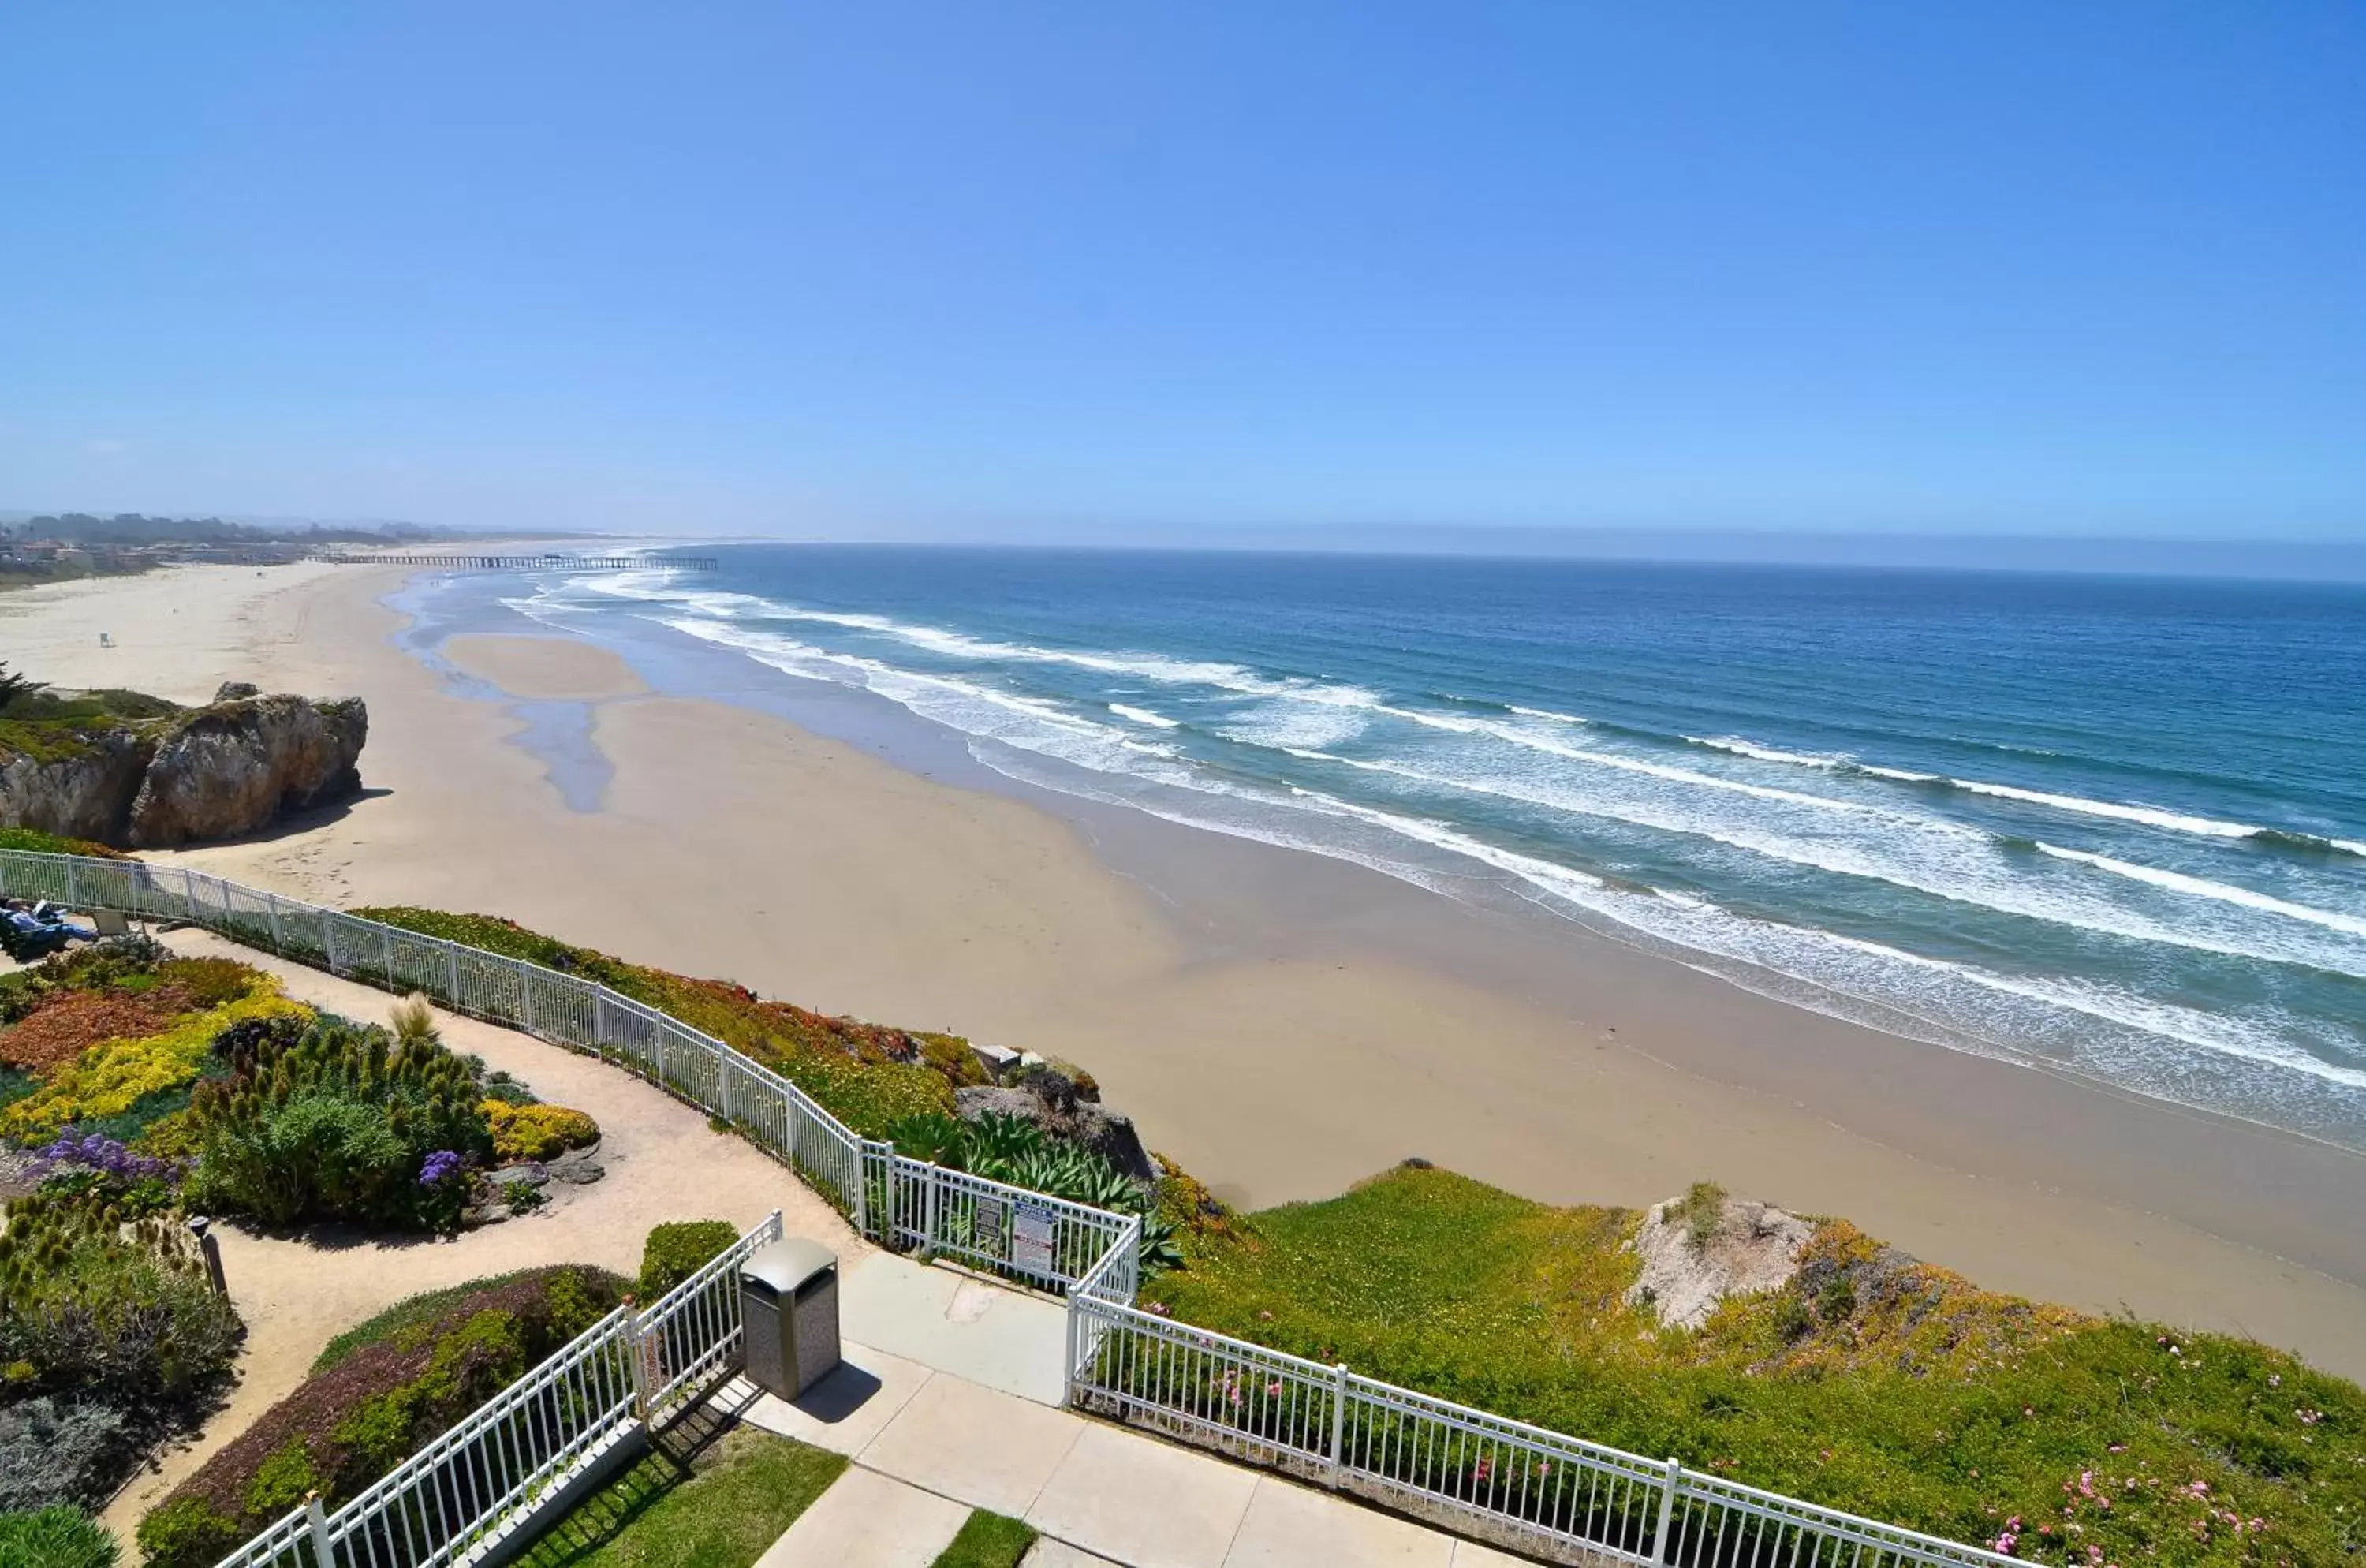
<point>97,1153</point>
<point>439,1168</point>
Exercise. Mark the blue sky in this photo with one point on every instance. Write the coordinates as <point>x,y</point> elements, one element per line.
<point>1162,272</point>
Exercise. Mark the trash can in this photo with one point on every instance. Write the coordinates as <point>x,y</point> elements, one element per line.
<point>788,1306</point>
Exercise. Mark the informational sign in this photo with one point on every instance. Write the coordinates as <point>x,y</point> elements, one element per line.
<point>1031,1237</point>
<point>991,1215</point>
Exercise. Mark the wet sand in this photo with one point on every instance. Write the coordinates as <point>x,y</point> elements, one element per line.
<point>1281,1023</point>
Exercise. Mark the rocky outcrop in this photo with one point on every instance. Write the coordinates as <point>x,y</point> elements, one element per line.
<point>244,761</point>
<point>1737,1248</point>
<point>233,766</point>
<point>78,790</point>
<point>1085,1122</point>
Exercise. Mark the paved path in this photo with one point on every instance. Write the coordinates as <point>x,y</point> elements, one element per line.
<point>928,1446</point>
<point>952,1398</point>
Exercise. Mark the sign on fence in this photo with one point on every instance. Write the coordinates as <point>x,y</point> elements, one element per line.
<point>1031,1237</point>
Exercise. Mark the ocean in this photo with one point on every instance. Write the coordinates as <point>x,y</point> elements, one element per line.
<point>2116,827</point>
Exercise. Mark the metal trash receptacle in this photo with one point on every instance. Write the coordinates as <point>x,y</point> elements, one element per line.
<point>788,1308</point>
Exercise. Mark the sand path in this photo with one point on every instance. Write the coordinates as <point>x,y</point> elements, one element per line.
<point>662,1163</point>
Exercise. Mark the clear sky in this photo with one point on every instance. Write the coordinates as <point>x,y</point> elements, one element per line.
<point>1094,269</point>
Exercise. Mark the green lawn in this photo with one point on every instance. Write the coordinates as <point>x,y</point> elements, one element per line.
<point>1872,1383</point>
<point>733,1502</point>
<point>987,1540</point>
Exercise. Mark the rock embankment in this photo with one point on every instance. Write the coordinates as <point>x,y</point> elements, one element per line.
<point>1699,1249</point>
<point>234,766</point>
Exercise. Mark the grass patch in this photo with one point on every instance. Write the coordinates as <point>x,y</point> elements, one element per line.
<point>1873,1383</point>
<point>987,1540</point>
<point>721,1511</point>
<point>55,1537</point>
<point>1696,1213</point>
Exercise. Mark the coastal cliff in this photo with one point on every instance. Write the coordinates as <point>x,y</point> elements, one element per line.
<point>134,772</point>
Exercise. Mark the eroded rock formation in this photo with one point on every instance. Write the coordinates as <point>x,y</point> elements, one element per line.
<point>233,766</point>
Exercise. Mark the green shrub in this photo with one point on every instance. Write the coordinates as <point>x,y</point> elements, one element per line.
<point>96,1308</point>
<point>1013,1149</point>
<point>55,1537</point>
<point>676,1250</point>
<point>340,1122</point>
<point>412,1375</point>
<point>1697,1213</point>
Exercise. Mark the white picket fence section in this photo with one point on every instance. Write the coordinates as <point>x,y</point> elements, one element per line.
<point>1534,1491</point>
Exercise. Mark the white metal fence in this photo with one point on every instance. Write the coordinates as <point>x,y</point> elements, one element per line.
<point>483,1482</point>
<point>1031,1237</point>
<point>1484,1475</point>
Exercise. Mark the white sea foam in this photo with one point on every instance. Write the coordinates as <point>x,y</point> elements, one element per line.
<point>2123,811</point>
<point>2149,1044</point>
<point>2151,816</point>
<point>1766,753</point>
<point>1938,860</point>
<point>1156,667</point>
<point>2200,888</point>
<point>1822,958</point>
<point>1513,734</point>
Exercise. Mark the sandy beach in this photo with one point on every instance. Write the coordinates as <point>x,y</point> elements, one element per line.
<point>1281,1023</point>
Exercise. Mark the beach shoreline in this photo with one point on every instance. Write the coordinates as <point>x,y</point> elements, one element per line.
<point>1281,1023</point>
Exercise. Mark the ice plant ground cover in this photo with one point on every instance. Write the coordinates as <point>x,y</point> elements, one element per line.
<point>868,1075</point>
<point>1872,1383</point>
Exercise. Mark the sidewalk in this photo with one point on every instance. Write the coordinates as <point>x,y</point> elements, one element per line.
<point>928,1446</point>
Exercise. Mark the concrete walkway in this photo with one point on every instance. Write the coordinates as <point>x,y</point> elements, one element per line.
<point>930,1445</point>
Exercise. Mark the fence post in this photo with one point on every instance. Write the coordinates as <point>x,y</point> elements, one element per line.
<point>637,1352</point>
<point>386,942</point>
<point>1068,1367</point>
<point>929,1209</point>
<point>1663,1547</point>
<point>316,1525</point>
<point>73,896</point>
<point>271,902</point>
<point>861,1187</point>
<point>1338,1422</point>
<point>526,995</point>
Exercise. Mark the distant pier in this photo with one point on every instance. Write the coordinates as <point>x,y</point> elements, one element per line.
<point>526,563</point>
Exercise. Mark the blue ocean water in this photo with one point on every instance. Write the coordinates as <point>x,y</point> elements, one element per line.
<point>2117,826</point>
